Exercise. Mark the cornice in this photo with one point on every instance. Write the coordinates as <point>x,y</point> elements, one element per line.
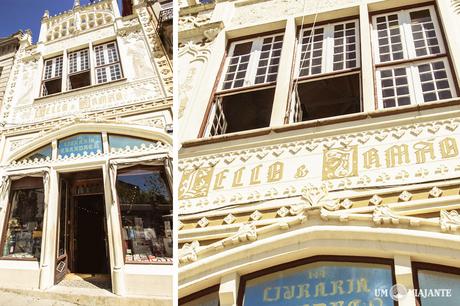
<point>208,30</point>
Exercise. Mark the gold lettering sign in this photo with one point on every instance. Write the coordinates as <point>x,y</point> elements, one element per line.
<point>195,183</point>
<point>397,155</point>
<point>449,147</point>
<point>341,162</point>
<point>422,149</point>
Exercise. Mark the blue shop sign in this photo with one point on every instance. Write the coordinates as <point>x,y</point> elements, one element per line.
<point>323,284</point>
<point>80,144</point>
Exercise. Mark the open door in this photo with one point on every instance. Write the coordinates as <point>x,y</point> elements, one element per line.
<point>62,256</point>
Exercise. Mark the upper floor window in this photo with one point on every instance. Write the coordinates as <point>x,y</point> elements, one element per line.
<point>327,79</point>
<point>412,63</point>
<point>108,67</point>
<point>52,77</point>
<point>79,69</point>
<point>247,86</point>
<point>254,61</point>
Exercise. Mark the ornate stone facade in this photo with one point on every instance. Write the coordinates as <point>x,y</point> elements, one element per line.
<point>381,183</point>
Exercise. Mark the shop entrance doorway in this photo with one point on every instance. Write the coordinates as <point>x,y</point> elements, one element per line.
<point>82,232</point>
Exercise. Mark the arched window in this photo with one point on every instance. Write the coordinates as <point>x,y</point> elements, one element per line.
<point>122,141</point>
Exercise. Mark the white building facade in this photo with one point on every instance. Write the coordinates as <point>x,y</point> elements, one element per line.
<point>86,154</point>
<point>319,152</point>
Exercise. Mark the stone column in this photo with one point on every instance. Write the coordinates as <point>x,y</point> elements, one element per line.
<point>367,68</point>
<point>403,273</point>
<point>113,231</point>
<point>48,254</point>
<point>228,290</point>
<point>283,81</point>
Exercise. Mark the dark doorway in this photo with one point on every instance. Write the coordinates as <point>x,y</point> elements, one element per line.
<point>82,231</point>
<point>90,237</point>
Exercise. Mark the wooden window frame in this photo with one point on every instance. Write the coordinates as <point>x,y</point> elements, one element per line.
<point>311,260</point>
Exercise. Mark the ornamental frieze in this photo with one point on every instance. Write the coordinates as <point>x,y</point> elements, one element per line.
<point>120,94</point>
<point>405,155</point>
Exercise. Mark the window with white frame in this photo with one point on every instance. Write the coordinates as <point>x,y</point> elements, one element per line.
<point>327,80</point>
<point>108,67</point>
<point>79,69</point>
<point>52,76</point>
<point>411,60</point>
<point>253,61</point>
<point>239,105</point>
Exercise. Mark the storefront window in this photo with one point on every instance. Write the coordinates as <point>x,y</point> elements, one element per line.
<point>146,214</point>
<point>322,283</point>
<point>41,153</point>
<point>81,144</point>
<point>121,142</point>
<point>437,288</point>
<point>24,220</point>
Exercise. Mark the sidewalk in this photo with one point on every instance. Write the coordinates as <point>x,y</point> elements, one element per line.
<point>15,299</point>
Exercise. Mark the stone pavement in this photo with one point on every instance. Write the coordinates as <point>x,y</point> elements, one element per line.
<point>81,290</point>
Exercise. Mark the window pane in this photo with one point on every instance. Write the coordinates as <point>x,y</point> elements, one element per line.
<point>299,286</point>
<point>101,75</point>
<point>41,153</point>
<point>344,59</point>
<point>437,280</point>
<point>25,220</point>
<point>211,299</point>
<point>238,65</point>
<point>100,60</point>
<point>434,81</point>
<point>82,144</point>
<point>389,38</point>
<point>423,33</point>
<point>312,51</point>
<point>115,72</point>
<point>394,87</point>
<point>146,214</point>
<point>121,142</point>
<point>271,53</point>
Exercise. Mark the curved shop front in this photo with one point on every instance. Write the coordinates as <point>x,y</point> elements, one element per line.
<point>89,199</point>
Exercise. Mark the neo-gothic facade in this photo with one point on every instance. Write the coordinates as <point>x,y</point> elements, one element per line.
<point>319,158</point>
<point>86,138</point>
<point>8,47</point>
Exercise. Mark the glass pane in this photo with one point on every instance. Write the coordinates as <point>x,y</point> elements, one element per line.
<point>121,142</point>
<point>207,300</point>
<point>41,153</point>
<point>146,214</point>
<point>321,283</point>
<point>81,144</point>
<point>25,221</point>
<point>437,280</point>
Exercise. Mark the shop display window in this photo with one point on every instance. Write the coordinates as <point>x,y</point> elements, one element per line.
<point>24,220</point>
<point>321,283</point>
<point>431,282</point>
<point>146,214</point>
<point>121,142</point>
<point>81,144</point>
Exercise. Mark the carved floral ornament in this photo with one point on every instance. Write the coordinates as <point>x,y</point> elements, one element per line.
<point>381,215</point>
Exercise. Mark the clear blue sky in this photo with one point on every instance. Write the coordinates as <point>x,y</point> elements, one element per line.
<point>26,14</point>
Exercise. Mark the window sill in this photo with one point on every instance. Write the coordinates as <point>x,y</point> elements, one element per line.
<point>379,113</point>
<point>39,99</point>
<point>149,263</point>
<point>18,259</point>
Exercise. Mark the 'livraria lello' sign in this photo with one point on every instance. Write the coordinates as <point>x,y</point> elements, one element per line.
<point>328,284</point>
<point>385,159</point>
